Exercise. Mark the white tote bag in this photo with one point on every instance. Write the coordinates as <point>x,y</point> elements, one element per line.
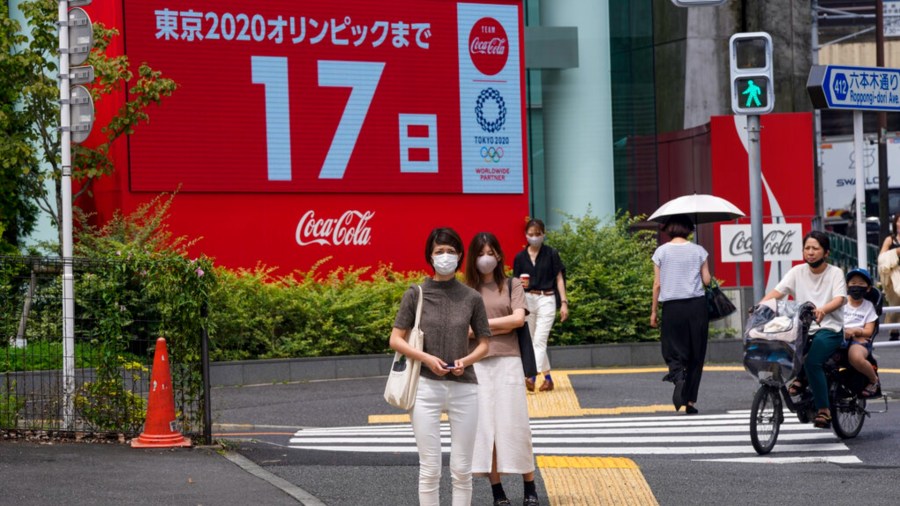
<point>403,381</point>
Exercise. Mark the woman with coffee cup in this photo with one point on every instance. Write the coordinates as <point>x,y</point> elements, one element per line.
<point>543,278</point>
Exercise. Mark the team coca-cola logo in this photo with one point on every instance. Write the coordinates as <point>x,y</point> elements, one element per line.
<point>349,229</point>
<point>488,46</point>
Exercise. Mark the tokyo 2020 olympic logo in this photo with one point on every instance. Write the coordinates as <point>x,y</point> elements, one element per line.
<point>487,125</point>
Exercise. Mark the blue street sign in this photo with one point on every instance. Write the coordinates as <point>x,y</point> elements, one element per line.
<point>854,88</point>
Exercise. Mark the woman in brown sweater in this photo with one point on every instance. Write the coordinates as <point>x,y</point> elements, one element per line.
<point>447,382</point>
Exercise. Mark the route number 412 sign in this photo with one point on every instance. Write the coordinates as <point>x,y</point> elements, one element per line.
<point>353,97</point>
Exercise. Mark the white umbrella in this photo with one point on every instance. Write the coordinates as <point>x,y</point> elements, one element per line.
<point>700,208</point>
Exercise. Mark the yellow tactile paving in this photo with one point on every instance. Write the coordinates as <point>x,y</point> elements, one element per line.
<point>397,418</point>
<point>561,401</point>
<point>644,370</point>
<point>594,480</point>
<point>623,410</point>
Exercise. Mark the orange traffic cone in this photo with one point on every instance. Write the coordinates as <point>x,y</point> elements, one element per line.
<point>159,428</point>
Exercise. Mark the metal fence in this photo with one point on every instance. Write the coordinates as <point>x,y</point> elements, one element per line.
<point>116,326</point>
<point>844,255</point>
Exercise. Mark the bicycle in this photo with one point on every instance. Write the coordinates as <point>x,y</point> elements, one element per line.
<point>776,360</point>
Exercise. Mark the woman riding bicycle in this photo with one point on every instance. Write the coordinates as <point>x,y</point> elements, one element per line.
<point>822,285</point>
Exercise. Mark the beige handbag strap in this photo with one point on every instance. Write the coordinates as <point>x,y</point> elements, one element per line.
<point>419,308</point>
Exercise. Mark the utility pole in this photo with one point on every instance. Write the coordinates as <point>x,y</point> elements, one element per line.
<point>884,211</point>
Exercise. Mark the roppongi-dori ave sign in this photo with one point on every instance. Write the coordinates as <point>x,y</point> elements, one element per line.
<point>855,88</point>
<point>408,96</point>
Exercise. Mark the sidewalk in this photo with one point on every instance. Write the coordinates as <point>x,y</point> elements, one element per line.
<point>112,473</point>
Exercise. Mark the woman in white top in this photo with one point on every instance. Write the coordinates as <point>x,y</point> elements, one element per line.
<point>680,272</point>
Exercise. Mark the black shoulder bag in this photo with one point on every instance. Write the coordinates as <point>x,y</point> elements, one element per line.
<point>526,349</point>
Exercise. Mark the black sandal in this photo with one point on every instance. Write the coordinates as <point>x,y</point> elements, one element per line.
<point>822,421</point>
<point>871,390</point>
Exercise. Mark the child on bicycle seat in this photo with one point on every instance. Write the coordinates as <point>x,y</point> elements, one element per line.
<point>859,325</point>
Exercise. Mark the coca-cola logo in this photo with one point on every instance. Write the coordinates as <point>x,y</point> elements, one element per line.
<point>488,46</point>
<point>349,229</point>
<point>776,243</point>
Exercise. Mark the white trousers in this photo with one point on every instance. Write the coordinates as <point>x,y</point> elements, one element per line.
<point>460,401</point>
<point>541,315</point>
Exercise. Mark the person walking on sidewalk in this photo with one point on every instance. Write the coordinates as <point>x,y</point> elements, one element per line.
<point>503,440</point>
<point>543,277</point>
<point>888,268</point>
<point>447,382</point>
<point>680,271</point>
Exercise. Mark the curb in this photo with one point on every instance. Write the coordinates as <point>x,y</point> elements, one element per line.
<point>290,370</point>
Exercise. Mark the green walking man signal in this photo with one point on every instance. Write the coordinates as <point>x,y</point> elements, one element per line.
<point>752,92</point>
<point>751,73</point>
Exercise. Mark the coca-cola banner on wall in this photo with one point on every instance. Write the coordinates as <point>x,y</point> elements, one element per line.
<point>304,130</point>
<point>783,242</point>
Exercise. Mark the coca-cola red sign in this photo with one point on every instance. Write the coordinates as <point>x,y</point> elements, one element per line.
<point>488,46</point>
<point>349,229</point>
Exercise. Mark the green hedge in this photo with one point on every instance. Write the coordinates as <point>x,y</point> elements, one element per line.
<point>144,275</point>
<point>345,312</point>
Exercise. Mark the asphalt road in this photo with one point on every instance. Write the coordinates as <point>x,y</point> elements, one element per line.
<point>282,429</point>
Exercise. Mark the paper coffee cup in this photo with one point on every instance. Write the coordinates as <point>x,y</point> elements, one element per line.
<point>525,279</point>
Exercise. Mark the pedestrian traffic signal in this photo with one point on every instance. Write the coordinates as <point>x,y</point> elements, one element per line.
<point>752,89</point>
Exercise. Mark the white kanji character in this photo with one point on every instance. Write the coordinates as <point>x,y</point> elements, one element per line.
<point>400,31</point>
<point>339,28</point>
<point>299,38</point>
<point>191,25</point>
<point>385,27</point>
<point>423,33</point>
<point>318,38</point>
<point>277,33</point>
<point>361,32</point>
<point>166,24</point>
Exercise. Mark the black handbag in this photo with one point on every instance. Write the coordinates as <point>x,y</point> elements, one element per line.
<point>526,348</point>
<point>718,305</point>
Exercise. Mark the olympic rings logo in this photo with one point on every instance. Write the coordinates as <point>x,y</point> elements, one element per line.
<point>497,124</point>
<point>491,153</point>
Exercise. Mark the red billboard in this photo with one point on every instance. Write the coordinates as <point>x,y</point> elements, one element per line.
<point>788,193</point>
<point>305,129</point>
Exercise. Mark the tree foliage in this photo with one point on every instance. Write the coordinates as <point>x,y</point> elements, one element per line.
<point>32,67</point>
<point>17,212</point>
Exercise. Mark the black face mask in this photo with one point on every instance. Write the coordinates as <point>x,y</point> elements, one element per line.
<point>857,292</point>
<point>816,263</point>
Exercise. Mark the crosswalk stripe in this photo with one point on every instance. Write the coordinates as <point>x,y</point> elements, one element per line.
<point>726,437</point>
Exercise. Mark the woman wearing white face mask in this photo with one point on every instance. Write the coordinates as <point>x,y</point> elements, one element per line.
<point>447,382</point>
<point>503,441</point>
<point>543,276</point>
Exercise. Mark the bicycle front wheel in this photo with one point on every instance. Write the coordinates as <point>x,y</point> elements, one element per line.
<point>765,419</point>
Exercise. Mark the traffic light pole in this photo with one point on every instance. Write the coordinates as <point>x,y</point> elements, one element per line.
<point>68,302</point>
<point>756,218</point>
<point>861,240</point>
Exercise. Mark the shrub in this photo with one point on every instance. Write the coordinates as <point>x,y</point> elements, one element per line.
<point>348,311</point>
<point>609,280</point>
<point>10,405</point>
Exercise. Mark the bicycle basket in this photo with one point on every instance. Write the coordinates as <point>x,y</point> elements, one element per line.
<point>774,342</point>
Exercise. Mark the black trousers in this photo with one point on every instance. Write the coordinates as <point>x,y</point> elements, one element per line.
<point>685,332</point>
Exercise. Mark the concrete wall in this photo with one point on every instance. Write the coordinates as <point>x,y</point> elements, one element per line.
<point>255,372</point>
<point>692,60</point>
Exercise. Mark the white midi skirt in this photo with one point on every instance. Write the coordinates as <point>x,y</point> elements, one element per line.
<point>502,417</point>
